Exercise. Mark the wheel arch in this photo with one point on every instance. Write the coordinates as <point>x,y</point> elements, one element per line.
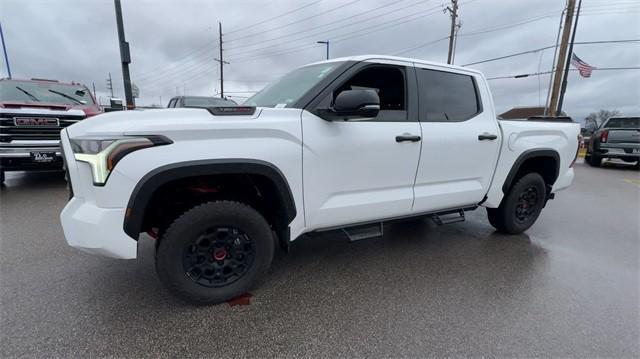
<point>547,161</point>
<point>152,181</point>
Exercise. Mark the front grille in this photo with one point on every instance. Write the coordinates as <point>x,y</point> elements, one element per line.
<point>10,132</point>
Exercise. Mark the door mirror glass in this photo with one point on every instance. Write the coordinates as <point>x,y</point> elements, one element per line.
<point>356,103</point>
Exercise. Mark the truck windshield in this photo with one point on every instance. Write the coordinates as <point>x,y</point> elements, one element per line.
<point>49,92</point>
<point>629,122</point>
<point>290,88</point>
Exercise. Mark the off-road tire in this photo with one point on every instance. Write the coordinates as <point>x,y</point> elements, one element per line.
<point>189,226</point>
<point>593,160</point>
<point>506,219</point>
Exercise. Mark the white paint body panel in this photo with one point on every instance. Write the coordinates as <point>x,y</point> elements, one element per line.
<point>355,171</point>
<point>455,167</point>
<point>339,172</point>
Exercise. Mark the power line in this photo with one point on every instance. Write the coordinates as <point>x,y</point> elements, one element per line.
<point>420,46</point>
<point>356,33</point>
<point>325,24</point>
<point>549,47</point>
<point>548,72</point>
<point>342,6</point>
<point>273,18</point>
<point>507,26</point>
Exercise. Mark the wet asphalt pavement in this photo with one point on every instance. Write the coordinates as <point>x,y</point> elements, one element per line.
<point>568,287</point>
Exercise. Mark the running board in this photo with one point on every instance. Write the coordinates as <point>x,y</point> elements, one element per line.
<point>364,231</point>
<point>447,218</point>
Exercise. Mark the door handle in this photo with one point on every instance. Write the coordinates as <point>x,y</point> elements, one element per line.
<point>404,138</point>
<point>487,136</point>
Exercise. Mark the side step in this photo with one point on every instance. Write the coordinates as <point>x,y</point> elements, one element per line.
<point>364,231</point>
<point>447,218</point>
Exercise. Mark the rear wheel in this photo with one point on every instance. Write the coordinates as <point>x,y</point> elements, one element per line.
<point>593,160</point>
<point>521,206</point>
<point>214,252</point>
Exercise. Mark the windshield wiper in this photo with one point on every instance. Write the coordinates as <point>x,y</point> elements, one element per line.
<point>67,96</point>
<point>28,93</point>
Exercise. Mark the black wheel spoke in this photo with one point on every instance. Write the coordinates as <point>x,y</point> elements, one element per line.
<point>218,256</point>
<point>526,205</point>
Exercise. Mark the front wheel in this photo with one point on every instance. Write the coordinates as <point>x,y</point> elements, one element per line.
<point>521,206</point>
<point>214,252</point>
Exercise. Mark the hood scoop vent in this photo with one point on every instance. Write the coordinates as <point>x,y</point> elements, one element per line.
<point>232,110</point>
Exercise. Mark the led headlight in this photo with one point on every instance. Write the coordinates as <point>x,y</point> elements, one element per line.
<point>102,154</point>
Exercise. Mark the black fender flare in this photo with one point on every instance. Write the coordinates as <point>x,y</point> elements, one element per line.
<point>145,188</point>
<point>529,154</point>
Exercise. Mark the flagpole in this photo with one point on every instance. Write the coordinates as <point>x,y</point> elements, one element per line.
<point>566,66</point>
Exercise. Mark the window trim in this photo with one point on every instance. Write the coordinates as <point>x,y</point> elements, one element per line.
<point>421,101</point>
<point>410,83</point>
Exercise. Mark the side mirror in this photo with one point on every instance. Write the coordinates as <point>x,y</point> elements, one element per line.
<point>356,103</point>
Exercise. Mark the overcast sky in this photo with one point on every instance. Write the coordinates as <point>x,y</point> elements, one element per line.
<point>174,43</point>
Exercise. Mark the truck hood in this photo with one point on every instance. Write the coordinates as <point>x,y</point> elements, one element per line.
<point>164,121</point>
<point>89,110</point>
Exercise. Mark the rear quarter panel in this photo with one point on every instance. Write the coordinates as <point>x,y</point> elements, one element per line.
<point>522,136</point>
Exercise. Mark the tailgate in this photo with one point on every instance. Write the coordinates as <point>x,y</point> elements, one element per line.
<point>624,136</point>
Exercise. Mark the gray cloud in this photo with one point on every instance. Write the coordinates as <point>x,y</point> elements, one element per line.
<point>173,43</point>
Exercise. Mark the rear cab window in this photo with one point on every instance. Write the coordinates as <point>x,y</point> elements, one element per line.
<point>623,122</point>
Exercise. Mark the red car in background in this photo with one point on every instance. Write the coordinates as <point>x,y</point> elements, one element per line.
<point>32,114</point>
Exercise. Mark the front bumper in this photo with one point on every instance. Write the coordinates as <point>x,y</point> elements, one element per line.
<point>17,156</point>
<point>97,230</point>
<point>86,225</point>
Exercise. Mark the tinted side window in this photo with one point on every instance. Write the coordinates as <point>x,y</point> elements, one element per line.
<point>446,96</point>
<point>389,82</point>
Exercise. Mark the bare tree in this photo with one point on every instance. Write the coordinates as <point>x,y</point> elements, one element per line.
<point>599,117</point>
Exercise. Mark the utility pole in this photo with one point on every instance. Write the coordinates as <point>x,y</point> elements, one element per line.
<point>125,57</point>
<point>562,58</point>
<point>110,84</point>
<point>327,44</point>
<point>453,10</point>
<point>221,60</point>
<point>4,50</point>
<point>566,66</point>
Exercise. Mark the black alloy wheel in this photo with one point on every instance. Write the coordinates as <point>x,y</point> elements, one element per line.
<point>527,204</point>
<point>219,256</point>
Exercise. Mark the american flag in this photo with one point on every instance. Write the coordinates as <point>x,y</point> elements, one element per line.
<point>583,67</point>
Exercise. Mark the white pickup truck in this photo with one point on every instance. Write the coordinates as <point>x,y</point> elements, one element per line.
<point>346,144</point>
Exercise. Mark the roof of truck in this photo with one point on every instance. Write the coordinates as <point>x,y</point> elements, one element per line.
<point>396,58</point>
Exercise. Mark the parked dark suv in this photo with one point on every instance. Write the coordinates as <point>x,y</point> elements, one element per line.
<point>32,114</point>
<point>618,137</point>
<point>199,102</point>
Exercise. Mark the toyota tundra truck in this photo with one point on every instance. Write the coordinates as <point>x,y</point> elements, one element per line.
<point>32,113</point>
<point>347,144</point>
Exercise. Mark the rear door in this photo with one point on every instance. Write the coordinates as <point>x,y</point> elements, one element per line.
<point>460,142</point>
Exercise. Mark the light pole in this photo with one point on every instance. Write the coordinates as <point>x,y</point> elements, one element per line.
<point>4,50</point>
<point>326,43</point>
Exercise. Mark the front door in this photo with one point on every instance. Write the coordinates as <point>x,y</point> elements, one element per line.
<point>357,171</point>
